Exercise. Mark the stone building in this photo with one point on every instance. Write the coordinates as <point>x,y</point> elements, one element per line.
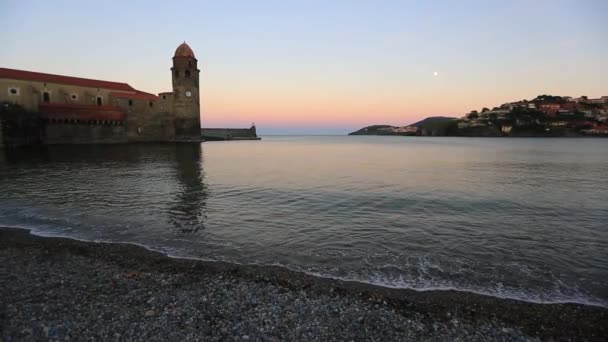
<point>80,110</point>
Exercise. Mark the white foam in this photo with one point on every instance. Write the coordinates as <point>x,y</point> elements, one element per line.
<point>421,285</point>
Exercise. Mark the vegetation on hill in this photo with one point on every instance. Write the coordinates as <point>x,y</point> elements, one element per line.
<point>437,125</point>
<point>373,130</point>
<point>433,120</point>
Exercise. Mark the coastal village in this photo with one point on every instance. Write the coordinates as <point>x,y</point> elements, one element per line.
<point>545,115</point>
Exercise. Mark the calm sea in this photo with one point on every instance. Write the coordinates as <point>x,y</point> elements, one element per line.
<point>519,218</point>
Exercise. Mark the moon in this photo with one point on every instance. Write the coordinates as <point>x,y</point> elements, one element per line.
<point>435,73</point>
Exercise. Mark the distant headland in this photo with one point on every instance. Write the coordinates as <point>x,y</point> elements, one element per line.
<point>544,116</point>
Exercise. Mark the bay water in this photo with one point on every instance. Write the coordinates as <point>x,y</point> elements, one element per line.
<point>517,218</point>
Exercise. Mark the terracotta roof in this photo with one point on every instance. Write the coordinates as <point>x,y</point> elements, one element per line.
<point>184,51</point>
<point>137,95</point>
<point>50,78</point>
<point>80,112</point>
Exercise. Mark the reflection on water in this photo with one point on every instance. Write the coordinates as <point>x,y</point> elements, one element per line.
<point>520,218</point>
<point>189,212</point>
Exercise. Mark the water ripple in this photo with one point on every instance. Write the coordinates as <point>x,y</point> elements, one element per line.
<point>517,218</point>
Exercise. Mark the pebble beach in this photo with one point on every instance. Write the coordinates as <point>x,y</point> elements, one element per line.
<point>62,289</point>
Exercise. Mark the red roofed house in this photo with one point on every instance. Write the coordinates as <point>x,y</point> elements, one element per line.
<point>105,111</point>
<point>548,108</point>
<point>597,130</point>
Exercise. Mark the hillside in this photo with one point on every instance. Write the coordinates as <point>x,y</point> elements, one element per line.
<point>544,116</point>
<point>434,125</point>
<point>431,120</point>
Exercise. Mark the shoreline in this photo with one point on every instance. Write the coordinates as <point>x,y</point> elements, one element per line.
<point>446,311</point>
<point>600,136</point>
<point>363,283</point>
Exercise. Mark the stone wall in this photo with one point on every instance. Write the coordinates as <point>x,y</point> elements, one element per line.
<point>1,136</point>
<point>229,133</point>
<point>147,120</point>
<point>19,127</point>
<point>30,93</point>
<point>150,127</point>
<point>82,133</point>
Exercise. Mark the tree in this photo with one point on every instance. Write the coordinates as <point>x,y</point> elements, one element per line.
<point>485,109</point>
<point>549,98</point>
<point>473,115</point>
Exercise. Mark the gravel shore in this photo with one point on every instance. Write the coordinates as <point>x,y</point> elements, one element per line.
<point>60,289</point>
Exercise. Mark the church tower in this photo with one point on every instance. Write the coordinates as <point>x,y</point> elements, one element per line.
<point>186,98</point>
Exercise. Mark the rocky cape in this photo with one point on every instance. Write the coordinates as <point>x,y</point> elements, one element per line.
<point>435,125</point>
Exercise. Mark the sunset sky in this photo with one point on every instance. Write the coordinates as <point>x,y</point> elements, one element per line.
<point>322,66</point>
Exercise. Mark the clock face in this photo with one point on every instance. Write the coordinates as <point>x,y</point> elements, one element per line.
<point>188,93</point>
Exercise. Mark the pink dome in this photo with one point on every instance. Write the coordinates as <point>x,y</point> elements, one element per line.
<point>184,51</point>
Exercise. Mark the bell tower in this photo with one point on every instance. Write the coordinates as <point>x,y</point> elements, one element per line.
<point>186,97</point>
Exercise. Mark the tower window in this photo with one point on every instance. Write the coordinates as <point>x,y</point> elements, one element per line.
<point>46,97</point>
<point>188,73</point>
<point>99,101</point>
<point>164,97</point>
<point>130,103</point>
<point>176,73</point>
<point>13,91</point>
<point>151,104</point>
<point>74,97</point>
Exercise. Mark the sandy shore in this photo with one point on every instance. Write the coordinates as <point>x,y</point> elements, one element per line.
<point>59,289</point>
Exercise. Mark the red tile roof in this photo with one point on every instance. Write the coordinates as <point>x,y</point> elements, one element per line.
<point>137,95</point>
<point>50,78</point>
<point>81,112</point>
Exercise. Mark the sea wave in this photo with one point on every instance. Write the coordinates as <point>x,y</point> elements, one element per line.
<point>555,296</point>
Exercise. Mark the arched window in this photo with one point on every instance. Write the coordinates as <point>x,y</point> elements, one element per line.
<point>188,73</point>
<point>176,73</point>
<point>99,101</point>
<point>46,97</point>
<point>151,104</point>
<point>130,102</point>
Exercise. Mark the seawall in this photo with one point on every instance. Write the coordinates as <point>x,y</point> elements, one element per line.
<point>229,134</point>
<point>83,133</point>
<point>20,128</point>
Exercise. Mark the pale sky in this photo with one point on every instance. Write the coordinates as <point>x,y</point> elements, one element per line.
<point>322,66</point>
